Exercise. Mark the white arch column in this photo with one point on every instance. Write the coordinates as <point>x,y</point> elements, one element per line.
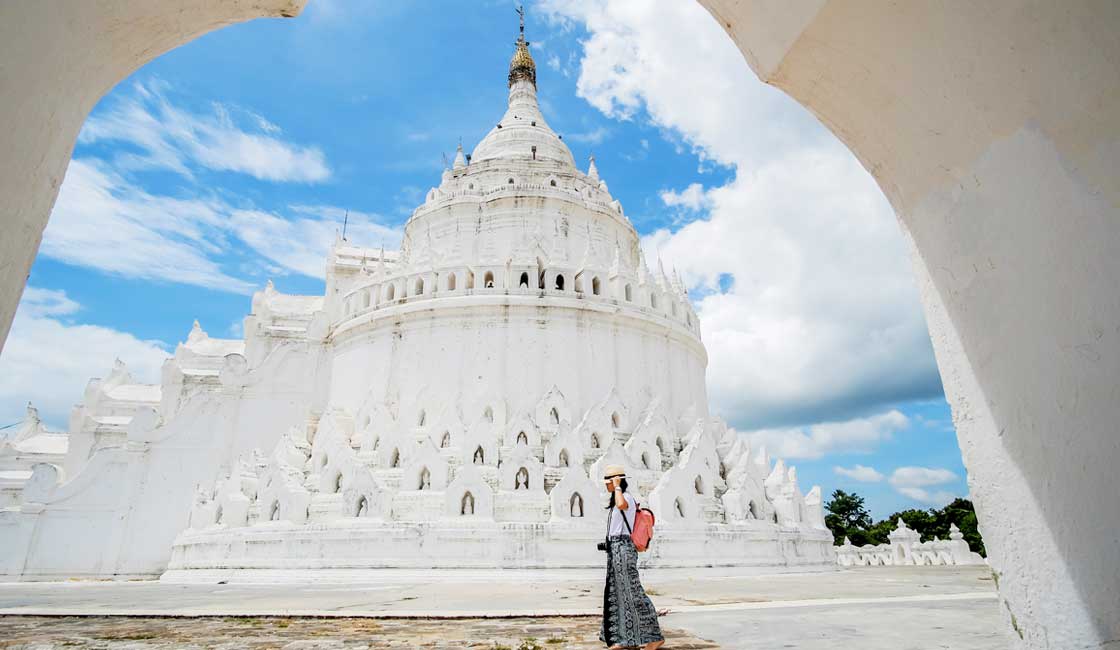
<point>993,130</point>
<point>59,58</point>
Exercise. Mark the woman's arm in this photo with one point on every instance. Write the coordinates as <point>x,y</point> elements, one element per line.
<point>620,498</point>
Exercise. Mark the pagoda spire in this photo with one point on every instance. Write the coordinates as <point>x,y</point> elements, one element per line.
<point>521,66</point>
<point>592,170</point>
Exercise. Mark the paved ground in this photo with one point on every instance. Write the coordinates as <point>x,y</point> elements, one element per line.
<point>893,608</point>
<point>254,633</point>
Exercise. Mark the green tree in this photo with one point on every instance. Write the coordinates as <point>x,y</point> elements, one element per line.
<point>879,531</point>
<point>921,521</point>
<point>962,513</point>
<point>847,517</point>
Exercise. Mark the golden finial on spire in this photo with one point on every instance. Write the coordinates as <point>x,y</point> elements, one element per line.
<point>522,66</point>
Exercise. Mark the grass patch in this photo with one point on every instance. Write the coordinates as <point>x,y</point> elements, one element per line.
<point>128,636</point>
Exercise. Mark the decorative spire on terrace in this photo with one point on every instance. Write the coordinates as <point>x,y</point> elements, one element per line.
<point>460,159</point>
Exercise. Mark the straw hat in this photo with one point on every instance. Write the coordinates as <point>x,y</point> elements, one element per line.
<point>614,470</point>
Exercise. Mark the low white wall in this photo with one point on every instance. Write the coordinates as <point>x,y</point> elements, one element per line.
<point>358,544</point>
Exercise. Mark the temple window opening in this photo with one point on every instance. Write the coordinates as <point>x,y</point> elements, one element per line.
<point>576,505</point>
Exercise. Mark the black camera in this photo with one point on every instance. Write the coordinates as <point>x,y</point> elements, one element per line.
<point>602,546</point>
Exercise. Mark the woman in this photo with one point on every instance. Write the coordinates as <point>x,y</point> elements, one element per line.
<point>629,619</point>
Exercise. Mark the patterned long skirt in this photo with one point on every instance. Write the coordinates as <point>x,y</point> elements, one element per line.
<point>629,618</point>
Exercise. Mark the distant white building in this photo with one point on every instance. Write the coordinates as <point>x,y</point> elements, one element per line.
<point>449,405</point>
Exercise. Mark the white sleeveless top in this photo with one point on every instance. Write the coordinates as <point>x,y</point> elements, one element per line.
<point>617,525</point>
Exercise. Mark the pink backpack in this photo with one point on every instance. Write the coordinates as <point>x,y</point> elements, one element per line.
<point>642,532</point>
<point>643,529</point>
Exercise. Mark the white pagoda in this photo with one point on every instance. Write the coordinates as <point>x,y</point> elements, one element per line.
<point>448,405</point>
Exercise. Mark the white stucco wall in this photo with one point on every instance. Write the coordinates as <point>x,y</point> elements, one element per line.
<point>993,130</point>
<point>516,349</point>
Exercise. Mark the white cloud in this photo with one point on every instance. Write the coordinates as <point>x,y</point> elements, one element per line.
<point>913,481</point>
<point>106,222</point>
<point>105,219</point>
<point>174,138</point>
<point>858,435</point>
<point>921,476</point>
<point>300,244</point>
<point>264,125</point>
<point>672,62</point>
<point>594,136</point>
<point>37,303</point>
<point>48,360</point>
<point>692,197</point>
<point>936,499</point>
<point>102,221</point>
<point>861,473</point>
<point>822,321</point>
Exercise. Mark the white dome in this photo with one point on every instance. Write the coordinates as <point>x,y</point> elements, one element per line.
<point>520,130</point>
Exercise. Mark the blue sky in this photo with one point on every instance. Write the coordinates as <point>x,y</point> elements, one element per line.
<point>231,160</point>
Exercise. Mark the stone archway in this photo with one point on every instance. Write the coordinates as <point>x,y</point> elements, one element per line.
<point>992,130</point>
<point>50,90</point>
<point>994,133</point>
